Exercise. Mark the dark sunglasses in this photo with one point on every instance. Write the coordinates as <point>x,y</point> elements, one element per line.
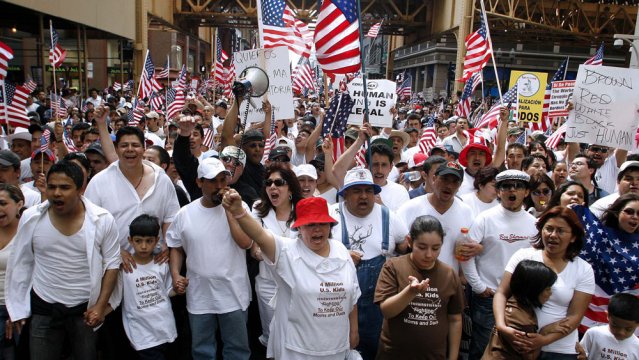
<point>541,192</point>
<point>277,182</point>
<point>228,159</point>
<point>598,149</point>
<point>512,185</point>
<point>630,212</point>
<point>255,144</point>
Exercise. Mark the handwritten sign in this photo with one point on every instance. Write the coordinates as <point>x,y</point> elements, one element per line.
<point>605,107</point>
<point>381,97</point>
<point>560,93</point>
<point>280,93</point>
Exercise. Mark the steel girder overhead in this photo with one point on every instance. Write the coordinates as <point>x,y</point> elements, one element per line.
<point>401,17</point>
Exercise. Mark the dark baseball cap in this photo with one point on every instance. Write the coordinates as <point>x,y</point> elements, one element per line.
<point>279,152</point>
<point>452,168</point>
<point>95,147</point>
<point>9,158</point>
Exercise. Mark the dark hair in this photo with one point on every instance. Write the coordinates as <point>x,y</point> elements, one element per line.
<point>145,225</point>
<point>199,129</point>
<point>91,130</point>
<point>383,150</point>
<point>484,176</point>
<point>433,160</point>
<point>529,280</point>
<point>15,194</point>
<point>70,169</point>
<point>555,200</point>
<point>129,130</point>
<point>81,158</point>
<point>610,217</point>
<point>533,144</point>
<point>164,156</point>
<point>80,126</point>
<point>575,225</point>
<point>624,306</point>
<point>265,205</point>
<point>535,181</point>
<point>589,163</point>
<point>528,160</point>
<point>517,145</point>
<point>426,224</point>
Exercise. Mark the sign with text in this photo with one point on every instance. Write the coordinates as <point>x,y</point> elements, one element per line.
<point>381,97</point>
<point>530,94</point>
<point>560,93</point>
<point>280,93</point>
<point>605,107</point>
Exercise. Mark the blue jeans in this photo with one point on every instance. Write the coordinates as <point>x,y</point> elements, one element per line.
<point>369,315</point>
<point>481,312</point>
<point>7,346</point>
<point>47,337</point>
<point>556,356</point>
<point>232,331</point>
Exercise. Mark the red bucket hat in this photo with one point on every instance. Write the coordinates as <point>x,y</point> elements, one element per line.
<point>312,211</point>
<point>464,153</point>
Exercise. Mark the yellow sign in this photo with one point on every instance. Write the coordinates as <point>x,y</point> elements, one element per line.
<point>531,87</point>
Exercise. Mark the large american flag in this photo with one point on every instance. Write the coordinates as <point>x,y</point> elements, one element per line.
<point>478,49</point>
<point>429,137</point>
<point>614,256</point>
<point>374,30</point>
<point>337,37</point>
<point>335,121</point>
<point>148,83</point>
<point>491,118</point>
<point>463,108</point>
<point>597,59</point>
<point>220,58</point>
<point>6,54</point>
<point>16,105</point>
<point>545,122</point>
<point>279,27</point>
<point>175,101</point>
<point>404,89</point>
<point>56,53</point>
<point>303,76</point>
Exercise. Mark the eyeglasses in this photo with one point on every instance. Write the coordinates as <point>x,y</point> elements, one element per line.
<point>277,182</point>
<point>540,192</point>
<point>511,186</point>
<point>255,144</point>
<point>559,231</point>
<point>228,159</point>
<point>598,149</point>
<point>630,212</point>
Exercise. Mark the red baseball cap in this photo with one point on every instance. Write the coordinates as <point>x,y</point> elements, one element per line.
<point>312,211</point>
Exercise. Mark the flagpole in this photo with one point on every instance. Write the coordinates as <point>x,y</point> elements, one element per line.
<point>168,70</point>
<point>368,53</point>
<point>492,54</point>
<point>137,94</point>
<point>566,69</point>
<point>361,54</point>
<point>55,81</point>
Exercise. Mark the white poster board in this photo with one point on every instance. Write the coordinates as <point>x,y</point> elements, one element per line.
<point>381,97</point>
<point>560,93</point>
<point>280,93</point>
<point>605,107</point>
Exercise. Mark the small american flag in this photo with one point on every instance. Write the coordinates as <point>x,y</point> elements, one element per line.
<point>553,140</point>
<point>279,28</point>
<point>545,120</point>
<point>181,80</point>
<point>491,118</point>
<point>478,49</point>
<point>404,89</point>
<point>148,82</point>
<point>521,139</point>
<point>6,54</point>
<point>30,85</point>
<point>157,102</point>
<point>337,37</point>
<point>374,30</point>
<point>164,73</point>
<point>175,101</point>
<point>56,53</point>
<point>360,156</point>
<point>44,140</point>
<point>429,137</point>
<point>303,76</point>
<point>16,105</point>
<point>463,108</point>
<point>128,85</point>
<point>271,142</point>
<point>335,121</point>
<point>138,112</point>
<point>208,138</point>
<point>597,59</point>
<point>220,58</point>
<point>117,86</point>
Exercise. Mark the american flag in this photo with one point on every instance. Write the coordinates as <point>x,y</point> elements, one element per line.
<point>337,37</point>
<point>429,137</point>
<point>303,76</point>
<point>279,27</point>
<point>545,122</point>
<point>148,83</point>
<point>360,156</point>
<point>614,256</point>
<point>85,106</point>
<point>521,139</point>
<point>3,106</point>
<point>463,108</point>
<point>181,80</point>
<point>16,105</point>
<point>128,85</point>
<point>478,49</point>
<point>68,142</point>
<point>335,121</point>
<point>553,140</point>
<point>597,59</point>
<point>6,54</point>
<point>157,101</point>
<point>208,138</point>
<point>164,73</point>
<point>374,30</point>
<point>220,58</point>
<point>138,113</point>
<point>175,101</point>
<point>45,139</point>
<point>404,88</point>
<point>30,85</point>
<point>228,81</point>
<point>117,86</point>
<point>491,118</point>
<point>56,54</point>
<point>271,142</point>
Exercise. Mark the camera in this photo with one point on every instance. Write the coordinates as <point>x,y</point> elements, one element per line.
<point>618,43</point>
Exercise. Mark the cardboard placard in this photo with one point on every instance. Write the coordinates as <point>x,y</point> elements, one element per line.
<point>560,93</point>
<point>381,96</point>
<point>531,87</point>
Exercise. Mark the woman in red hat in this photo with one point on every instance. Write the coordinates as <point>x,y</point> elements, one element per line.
<point>317,290</point>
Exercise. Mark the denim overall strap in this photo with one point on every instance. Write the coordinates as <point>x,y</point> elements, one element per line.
<point>385,228</point>
<point>342,223</point>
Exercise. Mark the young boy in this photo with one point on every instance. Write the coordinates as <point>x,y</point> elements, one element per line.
<point>617,340</point>
<point>146,310</point>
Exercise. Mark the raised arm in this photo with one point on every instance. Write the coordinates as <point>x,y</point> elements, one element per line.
<point>230,122</point>
<point>342,164</point>
<point>105,138</point>
<point>502,135</point>
<point>268,114</point>
<point>312,139</point>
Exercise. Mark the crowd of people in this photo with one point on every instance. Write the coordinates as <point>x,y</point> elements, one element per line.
<point>199,237</point>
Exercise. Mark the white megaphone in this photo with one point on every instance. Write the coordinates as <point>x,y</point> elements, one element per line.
<point>253,82</point>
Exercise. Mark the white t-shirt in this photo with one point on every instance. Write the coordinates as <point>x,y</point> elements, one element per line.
<point>394,195</point>
<point>601,205</point>
<point>111,190</point>
<point>456,217</point>
<point>576,276</point>
<point>502,232</point>
<point>606,175</point>
<point>147,315</point>
<point>298,158</point>
<point>599,343</point>
<point>216,265</point>
<point>330,196</point>
<point>31,198</point>
<point>467,185</point>
<point>5,252</point>
<point>477,206</point>
<point>365,234</point>
<point>25,170</point>
<point>61,267</point>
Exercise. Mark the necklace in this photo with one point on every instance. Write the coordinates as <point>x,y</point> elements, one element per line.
<point>284,229</point>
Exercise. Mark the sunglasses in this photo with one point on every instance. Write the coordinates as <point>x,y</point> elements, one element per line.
<point>279,159</point>
<point>277,182</point>
<point>541,192</point>
<point>630,212</point>
<point>512,185</point>
<point>256,144</point>
<point>598,149</point>
<point>228,159</point>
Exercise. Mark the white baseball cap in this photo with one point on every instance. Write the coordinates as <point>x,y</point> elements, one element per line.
<point>211,167</point>
<point>359,176</point>
<point>306,170</point>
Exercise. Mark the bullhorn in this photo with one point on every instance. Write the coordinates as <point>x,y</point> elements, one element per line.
<point>253,82</point>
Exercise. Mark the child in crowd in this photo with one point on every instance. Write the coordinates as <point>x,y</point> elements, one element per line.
<point>530,286</point>
<point>615,340</point>
<point>146,310</point>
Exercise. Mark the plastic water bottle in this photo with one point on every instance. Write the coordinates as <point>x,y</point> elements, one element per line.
<point>461,240</point>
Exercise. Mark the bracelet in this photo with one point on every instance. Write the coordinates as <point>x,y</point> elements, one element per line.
<point>243,214</point>
<point>252,242</point>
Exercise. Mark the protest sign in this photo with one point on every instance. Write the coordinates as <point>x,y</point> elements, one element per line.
<point>381,97</point>
<point>530,94</point>
<point>280,93</point>
<point>605,107</point>
<point>560,93</point>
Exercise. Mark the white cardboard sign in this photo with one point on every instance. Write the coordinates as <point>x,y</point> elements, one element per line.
<point>381,97</point>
